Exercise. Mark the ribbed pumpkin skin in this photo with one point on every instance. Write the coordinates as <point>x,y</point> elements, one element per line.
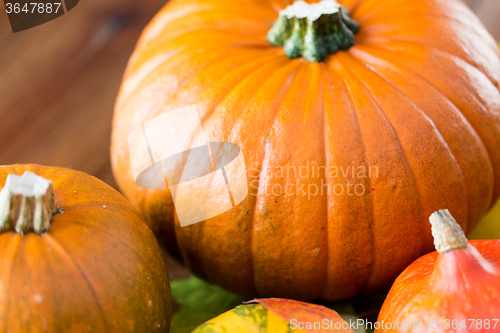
<point>97,269</point>
<point>417,97</point>
<point>459,289</point>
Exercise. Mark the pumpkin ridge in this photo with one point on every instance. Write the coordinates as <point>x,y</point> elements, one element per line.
<point>167,43</point>
<point>158,22</point>
<point>447,15</point>
<point>15,257</point>
<point>281,131</point>
<point>400,145</point>
<point>396,64</point>
<point>325,79</point>
<point>151,77</point>
<point>458,109</point>
<point>431,122</point>
<point>144,82</point>
<point>188,80</point>
<point>220,98</point>
<point>353,110</point>
<point>136,64</point>
<point>437,49</point>
<point>401,11</point>
<point>266,79</point>
<point>254,71</point>
<point>114,238</point>
<point>225,36</point>
<point>246,70</point>
<point>453,158</point>
<point>276,109</point>
<point>64,252</point>
<point>165,46</point>
<point>393,61</point>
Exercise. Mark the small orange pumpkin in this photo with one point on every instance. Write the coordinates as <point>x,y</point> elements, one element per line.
<point>411,95</point>
<point>456,289</point>
<point>76,257</point>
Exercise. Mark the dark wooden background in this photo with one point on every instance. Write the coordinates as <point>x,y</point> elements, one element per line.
<point>58,83</point>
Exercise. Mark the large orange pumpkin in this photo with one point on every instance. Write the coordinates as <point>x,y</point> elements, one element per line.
<point>76,257</point>
<point>415,101</point>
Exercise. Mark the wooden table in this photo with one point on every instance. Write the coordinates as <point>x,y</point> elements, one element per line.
<point>58,83</point>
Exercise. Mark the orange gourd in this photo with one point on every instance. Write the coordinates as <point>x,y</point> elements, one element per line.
<point>388,122</point>
<point>273,315</point>
<point>76,257</point>
<point>456,289</point>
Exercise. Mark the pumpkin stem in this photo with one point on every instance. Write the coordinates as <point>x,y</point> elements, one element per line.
<point>447,233</point>
<point>27,203</point>
<point>313,31</point>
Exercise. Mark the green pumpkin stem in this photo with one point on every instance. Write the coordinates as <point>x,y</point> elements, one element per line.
<point>27,203</point>
<point>447,233</point>
<point>313,31</point>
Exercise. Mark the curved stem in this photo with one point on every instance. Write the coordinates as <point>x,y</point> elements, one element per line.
<point>27,203</point>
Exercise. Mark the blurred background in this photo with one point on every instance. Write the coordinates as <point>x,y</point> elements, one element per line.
<point>58,83</point>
